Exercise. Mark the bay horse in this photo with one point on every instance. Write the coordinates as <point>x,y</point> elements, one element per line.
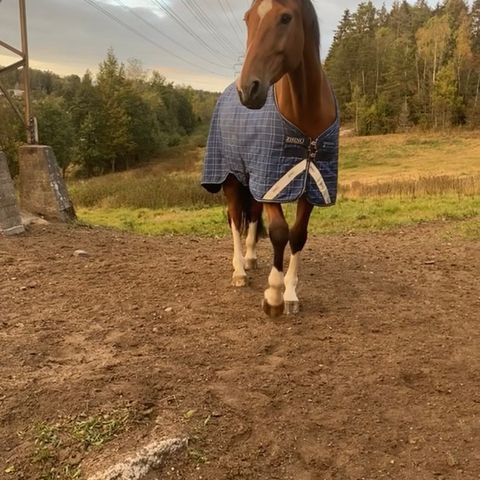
<point>274,139</point>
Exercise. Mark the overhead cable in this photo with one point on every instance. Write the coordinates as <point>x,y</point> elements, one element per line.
<point>232,24</point>
<point>203,19</point>
<point>117,20</point>
<point>179,21</point>
<point>168,37</point>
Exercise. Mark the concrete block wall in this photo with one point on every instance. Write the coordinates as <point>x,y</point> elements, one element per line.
<point>10,220</point>
<point>42,188</point>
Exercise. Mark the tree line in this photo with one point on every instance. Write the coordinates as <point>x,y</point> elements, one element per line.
<point>412,65</point>
<point>104,123</point>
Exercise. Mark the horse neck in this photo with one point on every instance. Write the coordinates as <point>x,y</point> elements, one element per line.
<point>304,96</point>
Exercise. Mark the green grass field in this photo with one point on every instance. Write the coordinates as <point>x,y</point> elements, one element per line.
<point>385,182</point>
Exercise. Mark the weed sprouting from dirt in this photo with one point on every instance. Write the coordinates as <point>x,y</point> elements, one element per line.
<point>58,447</point>
<point>96,430</point>
<point>47,442</point>
<point>62,473</point>
<point>197,456</point>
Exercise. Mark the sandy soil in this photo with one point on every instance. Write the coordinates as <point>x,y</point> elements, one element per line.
<point>377,377</point>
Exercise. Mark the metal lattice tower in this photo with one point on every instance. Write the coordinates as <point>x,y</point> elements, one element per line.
<point>26,118</point>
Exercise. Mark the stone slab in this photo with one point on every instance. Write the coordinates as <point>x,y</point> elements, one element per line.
<point>139,465</point>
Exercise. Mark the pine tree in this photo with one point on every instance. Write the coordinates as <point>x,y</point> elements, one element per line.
<point>399,63</point>
<point>56,129</point>
<point>475,26</point>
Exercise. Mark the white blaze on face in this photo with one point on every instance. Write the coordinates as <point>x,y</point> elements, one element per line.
<point>264,8</point>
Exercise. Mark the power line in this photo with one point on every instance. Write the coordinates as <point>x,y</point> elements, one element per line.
<point>168,11</point>
<point>110,15</point>
<point>171,39</point>
<point>232,24</point>
<point>203,19</point>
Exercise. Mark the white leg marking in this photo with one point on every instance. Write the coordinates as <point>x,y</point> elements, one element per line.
<point>291,278</point>
<point>251,244</point>
<point>264,8</point>
<point>273,294</point>
<point>239,278</point>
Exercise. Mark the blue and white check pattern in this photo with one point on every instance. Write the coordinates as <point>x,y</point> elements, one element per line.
<point>260,146</point>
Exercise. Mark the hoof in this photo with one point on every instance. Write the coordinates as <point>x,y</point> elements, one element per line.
<point>239,281</point>
<point>291,308</point>
<point>272,311</point>
<point>251,264</point>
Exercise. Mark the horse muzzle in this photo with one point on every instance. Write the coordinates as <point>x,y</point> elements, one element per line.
<point>253,94</point>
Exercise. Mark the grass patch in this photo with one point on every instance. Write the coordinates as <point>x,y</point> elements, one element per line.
<point>97,430</point>
<point>59,447</point>
<point>380,214</point>
<point>379,158</point>
<point>206,221</point>
<point>405,165</point>
<point>349,215</point>
<point>141,189</point>
<point>414,187</point>
<point>469,229</point>
<point>385,181</point>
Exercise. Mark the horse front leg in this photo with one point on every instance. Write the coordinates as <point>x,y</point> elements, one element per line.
<point>298,238</point>
<point>273,303</point>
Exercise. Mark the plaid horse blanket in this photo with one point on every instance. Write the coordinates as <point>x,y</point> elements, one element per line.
<point>269,154</point>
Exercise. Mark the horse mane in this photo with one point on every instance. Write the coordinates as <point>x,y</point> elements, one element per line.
<point>310,14</point>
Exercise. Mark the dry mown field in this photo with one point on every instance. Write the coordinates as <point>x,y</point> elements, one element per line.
<point>378,377</point>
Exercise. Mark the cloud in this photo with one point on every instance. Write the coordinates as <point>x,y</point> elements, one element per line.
<point>71,37</point>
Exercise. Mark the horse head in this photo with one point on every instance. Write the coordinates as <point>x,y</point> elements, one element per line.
<point>276,31</point>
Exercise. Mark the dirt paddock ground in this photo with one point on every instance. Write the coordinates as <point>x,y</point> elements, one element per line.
<point>378,376</point>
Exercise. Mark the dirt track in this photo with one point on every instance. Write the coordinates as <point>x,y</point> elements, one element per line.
<point>378,377</point>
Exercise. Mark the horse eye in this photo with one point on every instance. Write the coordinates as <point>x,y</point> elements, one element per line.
<point>285,19</point>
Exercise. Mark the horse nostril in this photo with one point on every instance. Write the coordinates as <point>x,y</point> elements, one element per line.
<point>254,88</point>
<point>241,94</point>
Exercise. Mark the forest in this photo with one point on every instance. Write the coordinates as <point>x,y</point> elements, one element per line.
<point>109,122</point>
<point>413,66</point>
<point>410,66</point>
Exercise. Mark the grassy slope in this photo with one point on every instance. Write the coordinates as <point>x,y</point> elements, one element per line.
<point>385,181</point>
<point>379,158</point>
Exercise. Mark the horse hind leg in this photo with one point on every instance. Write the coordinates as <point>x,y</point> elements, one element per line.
<point>298,238</point>
<point>292,303</point>
<point>239,276</point>
<point>236,216</point>
<point>255,230</point>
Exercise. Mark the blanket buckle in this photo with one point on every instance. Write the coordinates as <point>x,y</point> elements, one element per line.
<point>312,150</point>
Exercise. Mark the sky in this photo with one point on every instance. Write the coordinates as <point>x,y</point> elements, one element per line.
<point>71,36</point>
